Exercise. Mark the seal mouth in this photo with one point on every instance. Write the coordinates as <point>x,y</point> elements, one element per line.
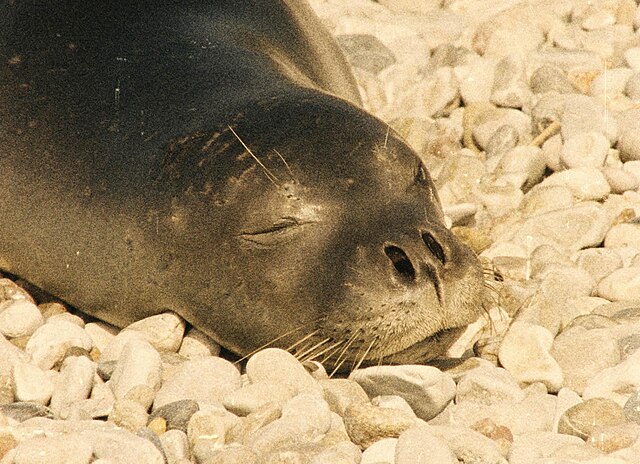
<point>428,348</point>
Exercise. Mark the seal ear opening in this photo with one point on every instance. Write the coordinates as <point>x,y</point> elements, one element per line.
<point>401,262</point>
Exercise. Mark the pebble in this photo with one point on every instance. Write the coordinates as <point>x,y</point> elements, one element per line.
<point>588,150</point>
<point>425,388</point>
<point>129,414</point>
<point>623,235</point>
<point>175,445</point>
<point>367,424</point>
<point>510,87</point>
<point>584,418</point>
<point>342,393</point>
<point>253,396</point>
<point>418,445</point>
<point>74,382</point>
<point>366,52</point>
<point>621,284</point>
<point>176,414</point>
<point>31,384</point>
<point>536,446</point>
<point>139,364</point>
<point>393,402</point>
<point>549,78</point>
<point>628,142</point>
<point>586,183</point>
<point>163,331</point>
<point>53,450</point>
<point>19,318</point>
<point>525,353</point>
<point>216,378</point>
<point>279,366</point>
<point>583,114</point>
<point>49,343</point>
<point>613,438</point>
<point>616,382</point>
<point>196,344</point>
<point>381,452</point>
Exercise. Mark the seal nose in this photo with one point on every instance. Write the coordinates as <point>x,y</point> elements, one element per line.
<point>411,264</point>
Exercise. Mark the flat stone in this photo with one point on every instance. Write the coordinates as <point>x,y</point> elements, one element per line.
<point>53,450</point>
<point>49,343</point>
<point>418,445</point>
<point>367,424</point>
<point>253,396</point>
<point>176,414</point>
<point>19,318</point>
<point>620,180</point>
<point>31,384</point>
<point>584,418</point>
<point>425,388</point>
<point>163,331</point>
<point>216,377</point>
<point>342,393</point>
<point>278,366</point>
<point>586,183</point>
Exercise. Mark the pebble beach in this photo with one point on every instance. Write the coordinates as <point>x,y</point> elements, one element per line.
<point>527,114</point>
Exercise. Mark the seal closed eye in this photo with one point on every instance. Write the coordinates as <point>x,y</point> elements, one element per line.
<point>212,158</point>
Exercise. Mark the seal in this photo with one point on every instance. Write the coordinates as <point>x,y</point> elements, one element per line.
<point>211,158</point>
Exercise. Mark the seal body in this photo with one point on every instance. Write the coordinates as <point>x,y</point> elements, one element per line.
<point>211,158</point>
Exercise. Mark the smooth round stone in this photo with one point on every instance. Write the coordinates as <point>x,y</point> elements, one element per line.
<point>342,393</point>
<point>632,408</point>
<point>49,343</point>
<point>19,318</point>
<point>524,159</point>
<point>500,434</point>
<point>586,183</point>
<point>216,377</point>
<point>176,414</point>
<point>632,89</point>
<point>367,424</point>
<point>500,200</point>
<point>30,383</point>
<point>632,167</point>
<point>567,398</point>
<point>381,452</point>
<point>425,388</point>
<point>540,446</point>
<point>629,139</point>
<point>253,396</point>
<point>510,88</point>
<point>419,445</point>
<point>234,455</point>
<point>584,418</point>
<point>163,331</point>
<point>253,422</point>
<point>540,200</point>
<point>210,426</point>
<point>53,450</point>
<point>505,138</point>
<point>620,180</point>
<point>74,382</point>
<point>614,438</point>
<point>122,446</point>
<point>574,351</point>
<point>196,343</point>
<point>621,284</point>
<point>139,364</point>
<point>551,150</point>
<point>65,316</point>
<point>525,353</point>
<point>468,445</point>
<point>114,347</point>
<point>588,149</point>
<point>578,307</point>
<point>278,366</point>
<point>175,445</point>
<point>101,333</point>
<point>624,312</point>
<point>476,81</point>
<point>611,83</point>
<point>550,78</point>
<point>488,386</point>
<point>129,415</point>
<point>585,114</point>
<point>366,52</point>
<point>617,382</point>
<point>623,235</point>
<point>502,35</point>
<point>490,121</point>
<point>392,402</point>
<point>437,92</point>
<point>632,57</point>
<point>305,418</point>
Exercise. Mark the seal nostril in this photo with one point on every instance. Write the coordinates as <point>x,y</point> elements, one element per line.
<point>400,261</point>
<point>434,247</point>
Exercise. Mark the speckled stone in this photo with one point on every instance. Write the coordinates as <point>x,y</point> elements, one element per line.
<point>584,418</point>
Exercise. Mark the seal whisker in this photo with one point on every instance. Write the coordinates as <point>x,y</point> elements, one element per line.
<point>339,363</point>
<point>333,347</point>
<point>268,344</point>
<point>356,366</point>
<point>286,164</point>
<point>269,174</point>
<point>303,339</point>
<point>304,353</point>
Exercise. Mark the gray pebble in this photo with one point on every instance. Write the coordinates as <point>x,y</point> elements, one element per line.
<point>366,52</point>
<point>177,414</point>
<point>549,78</point>
<point>425,388</point>
<point>22,411</point>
